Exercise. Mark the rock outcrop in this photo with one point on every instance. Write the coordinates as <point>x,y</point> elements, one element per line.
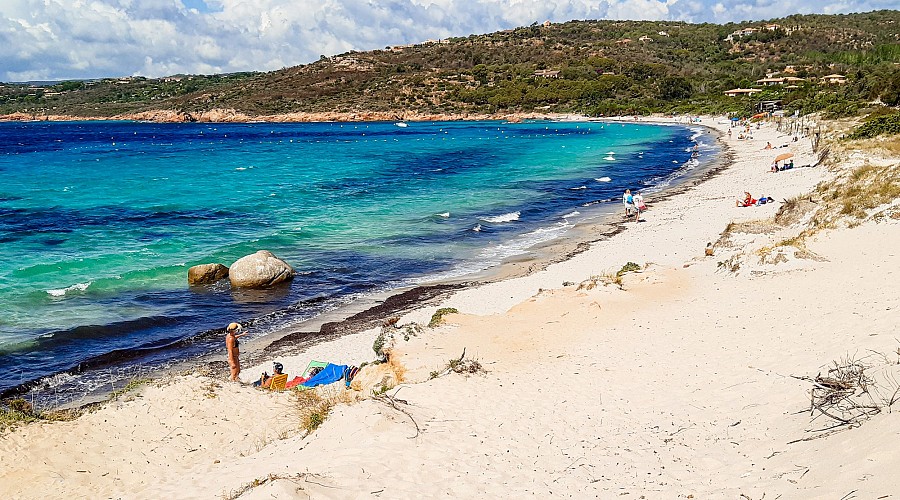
<point>206,273</point>
<point>259,270</point>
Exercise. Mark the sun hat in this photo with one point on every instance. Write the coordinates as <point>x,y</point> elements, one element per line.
<point>233,327</point>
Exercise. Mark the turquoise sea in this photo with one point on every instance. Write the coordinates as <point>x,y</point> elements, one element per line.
<point>99,221</point>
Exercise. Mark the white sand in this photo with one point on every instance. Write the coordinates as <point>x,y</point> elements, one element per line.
<point>678,386</point>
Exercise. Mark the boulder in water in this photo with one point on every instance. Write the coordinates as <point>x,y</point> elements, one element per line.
<point>259,270</point>
<point>206,273</point>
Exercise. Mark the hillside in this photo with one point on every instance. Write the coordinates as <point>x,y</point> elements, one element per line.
<point>590,67</point>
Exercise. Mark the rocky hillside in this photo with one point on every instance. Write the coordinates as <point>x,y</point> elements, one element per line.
<point>590,67</point>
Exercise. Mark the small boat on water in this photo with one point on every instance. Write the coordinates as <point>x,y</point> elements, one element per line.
<point>402,124</point>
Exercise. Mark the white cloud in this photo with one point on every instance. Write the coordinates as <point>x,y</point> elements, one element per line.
<point>57,39</point>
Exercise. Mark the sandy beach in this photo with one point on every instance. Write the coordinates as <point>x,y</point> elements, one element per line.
<point>688,378</point>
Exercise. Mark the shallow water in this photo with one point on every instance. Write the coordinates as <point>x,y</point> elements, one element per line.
<point>99,221</point>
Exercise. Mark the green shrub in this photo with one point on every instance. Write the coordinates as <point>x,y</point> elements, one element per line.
<point>438,317</point>
<point>880,125</point>
<point>378,345</point>
<point>627,268</point>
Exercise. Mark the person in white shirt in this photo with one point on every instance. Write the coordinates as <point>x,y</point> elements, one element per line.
<point>638,202</point>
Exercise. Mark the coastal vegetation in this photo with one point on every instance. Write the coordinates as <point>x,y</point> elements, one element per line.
<point>16,412</point>
<point>878,124</point>
<point>589,67</point>
<point>438,317</point>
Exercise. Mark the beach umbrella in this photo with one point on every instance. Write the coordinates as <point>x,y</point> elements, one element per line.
<point>783,156</point>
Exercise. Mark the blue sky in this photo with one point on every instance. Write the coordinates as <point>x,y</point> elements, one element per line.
<point>62,39</point>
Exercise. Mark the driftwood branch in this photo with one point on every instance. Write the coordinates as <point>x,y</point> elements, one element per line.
<point>392,402</point>
<point>848,394</point>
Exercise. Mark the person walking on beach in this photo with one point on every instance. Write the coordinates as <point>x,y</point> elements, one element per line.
<point>232,333</point>
<point>638,201</point>
<point>628,201</point>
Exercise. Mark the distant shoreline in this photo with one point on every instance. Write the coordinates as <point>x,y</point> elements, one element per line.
<point>234,116</point>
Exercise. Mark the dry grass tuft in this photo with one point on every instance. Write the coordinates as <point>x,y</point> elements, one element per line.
<point>313,409</point>
<point>380,377</point>
<point>609,278</point>
<point>858,192</point>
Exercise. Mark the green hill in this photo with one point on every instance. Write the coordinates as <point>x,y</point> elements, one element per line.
<point>590,67</point>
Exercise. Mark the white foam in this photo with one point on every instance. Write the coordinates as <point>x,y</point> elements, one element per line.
<point>510,217</point>
<point>239,169</point>
<point>579,188</point>
<point>78,287</point>
<point>444,215</point>
<point>603,179</point>
<point>609,158</point>
<point>571,214</point>
<point>477,228</point>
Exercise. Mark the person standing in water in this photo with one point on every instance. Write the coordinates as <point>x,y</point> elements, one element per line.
<point>232,333</point>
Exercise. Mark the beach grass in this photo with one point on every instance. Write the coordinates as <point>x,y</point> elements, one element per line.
<point>132,385</point>
<point>313,409</point>
<point>19,412</point>
<point>610,277</point>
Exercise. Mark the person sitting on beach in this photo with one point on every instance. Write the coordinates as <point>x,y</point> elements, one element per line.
<point>265,380</point>
<point>774,167</point>
<point>768,145</point>
<point>748,201</point>
<point>232,334</point>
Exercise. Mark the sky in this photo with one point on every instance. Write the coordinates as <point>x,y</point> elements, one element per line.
<point>43,40</point>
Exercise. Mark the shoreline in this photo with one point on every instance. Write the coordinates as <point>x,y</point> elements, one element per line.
<point>322,328</point>
<point>371,311</point>
<point>685,380</point>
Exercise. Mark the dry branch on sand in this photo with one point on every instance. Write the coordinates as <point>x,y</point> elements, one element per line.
<point>850,393</point>
<point>296,478</point>
<point>460,365</point>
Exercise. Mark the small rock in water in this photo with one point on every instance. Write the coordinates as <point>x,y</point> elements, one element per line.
<point>206,273</point>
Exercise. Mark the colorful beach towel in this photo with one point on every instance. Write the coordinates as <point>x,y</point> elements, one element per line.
<point>329,375</point>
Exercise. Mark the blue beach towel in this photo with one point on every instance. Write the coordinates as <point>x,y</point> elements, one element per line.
<point>328,375</point>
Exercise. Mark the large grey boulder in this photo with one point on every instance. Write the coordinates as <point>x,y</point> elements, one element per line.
<point>206,273</point>
<point>259,270</point>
